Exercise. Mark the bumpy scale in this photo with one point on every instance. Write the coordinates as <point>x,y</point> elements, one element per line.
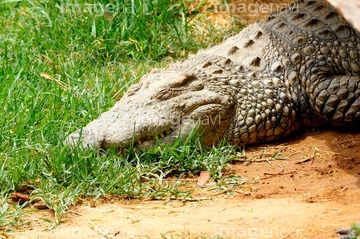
<point>299,67</point>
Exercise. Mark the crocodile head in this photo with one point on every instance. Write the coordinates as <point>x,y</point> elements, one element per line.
<point>162,106</point>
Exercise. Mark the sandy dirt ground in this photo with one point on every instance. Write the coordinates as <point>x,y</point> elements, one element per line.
<point>310,193</point>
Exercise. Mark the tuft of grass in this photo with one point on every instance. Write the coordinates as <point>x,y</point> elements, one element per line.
<point>355,227</point>
<point>189,155</point>
<point>10,215</point>
<point>63,63</point>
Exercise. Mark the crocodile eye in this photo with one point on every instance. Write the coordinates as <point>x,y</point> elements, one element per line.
<point>133,88</point>
<point>164,94</point>
<point>196,85</point>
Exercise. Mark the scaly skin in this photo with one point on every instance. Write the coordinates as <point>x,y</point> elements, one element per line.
<point>299,67</point>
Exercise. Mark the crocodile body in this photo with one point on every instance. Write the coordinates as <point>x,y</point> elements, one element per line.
<point>299,67</point>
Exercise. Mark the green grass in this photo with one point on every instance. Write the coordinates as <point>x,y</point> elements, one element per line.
<point>356,229</point>
<point>61,65</point>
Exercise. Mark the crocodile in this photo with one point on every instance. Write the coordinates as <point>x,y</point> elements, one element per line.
<point>298,68</point>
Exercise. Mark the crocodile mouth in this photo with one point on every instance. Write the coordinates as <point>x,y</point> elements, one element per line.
<point>149,141</point>
<point>203,115</point>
